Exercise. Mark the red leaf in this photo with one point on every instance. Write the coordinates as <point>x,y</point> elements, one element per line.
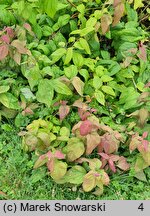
<point>122,163</point>
<point>118,13</point>
<point>5,38</point>
<point>112,165</point>
<point>85,127</point>
<point>3,51</point>
<point>63,111</point>
<point>142,55</point>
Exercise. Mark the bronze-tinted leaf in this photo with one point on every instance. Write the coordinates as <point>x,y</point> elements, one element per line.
<point>63,111</point>
<point>3,51</point>
<point>118,13</point>
<point>89,181</point>
<point>78,85</point>
<point>106,20</point>
<point>92,142</point>
<point>122,163</point>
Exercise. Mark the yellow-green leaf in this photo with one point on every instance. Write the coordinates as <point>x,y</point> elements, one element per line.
<point>108,90</point>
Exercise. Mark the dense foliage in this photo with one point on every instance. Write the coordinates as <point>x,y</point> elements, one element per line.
<point>75,78</point>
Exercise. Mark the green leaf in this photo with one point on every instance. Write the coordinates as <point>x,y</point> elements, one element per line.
<point>138,4</point>
<point>106,78</point>
<point>50,7</point>
<point>55,56</point>
<point>97,82</point>
<point>9,101</point>
<point>59,170</point>
<point>100,97</point>
<point>74,149</point>
<point>78,59</point>
<point>89,181</point>
<point>75,175</point>
<point>60,87</point>
<point>78,85</point>
<point>69,54</point>
<point>4,89</point>
<point>84,73</point>
<point>85,45</point>
<point>108,90</point>
<point>71,71</point>
<point>45,92</point>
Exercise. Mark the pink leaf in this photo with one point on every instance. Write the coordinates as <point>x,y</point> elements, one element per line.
<point>10,32</point>
<point>63,111</point>
<point>145,144</point>
<point>145,134</point>
<point>59,155</point>
<point>114,157</point>
<point>3,51</point>
<point>122,164</point>
<point>85,128</point>
<point>49,155</point>
<point>111,165</point>
<point>5,38</point>
<point>105,156</point>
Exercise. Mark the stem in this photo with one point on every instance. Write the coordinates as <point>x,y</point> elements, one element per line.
<point>71,3</point>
